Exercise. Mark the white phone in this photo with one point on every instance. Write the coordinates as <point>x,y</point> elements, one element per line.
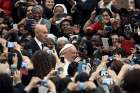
<point>105,43</point>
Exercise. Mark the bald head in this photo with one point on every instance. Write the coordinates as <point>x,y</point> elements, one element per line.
<point>41,32</point>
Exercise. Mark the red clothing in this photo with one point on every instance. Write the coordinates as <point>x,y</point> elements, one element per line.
<point>6,5</point>
<point>127,45</point>
<point>95,26</point>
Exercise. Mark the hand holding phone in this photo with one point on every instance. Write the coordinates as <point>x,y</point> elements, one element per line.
<point>10,45</point>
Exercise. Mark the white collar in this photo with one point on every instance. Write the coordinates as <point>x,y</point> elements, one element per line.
<point>39,22</point>
<point>38,42</point>
<point>66,65</point>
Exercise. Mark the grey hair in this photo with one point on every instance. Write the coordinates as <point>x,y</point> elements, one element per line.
<point>62,39</point>
<point>37,8</point>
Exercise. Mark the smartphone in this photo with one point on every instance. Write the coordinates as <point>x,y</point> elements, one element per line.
<point>10,44</point>
<point>105,43</point>
<point>43,83</point>
<point>24,68</point>
<point>81,86</point>
<point>60,71</point>
<point>24,65</point>
<point>15,26</point>
<point>13,69</point>
<point>82,67</point>
<point>103,73</point>
<point>108,28</point>
<point>107,81</point>
<point>29,24</point>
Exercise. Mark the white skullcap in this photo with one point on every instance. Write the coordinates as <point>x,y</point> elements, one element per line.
<point>67,46</point>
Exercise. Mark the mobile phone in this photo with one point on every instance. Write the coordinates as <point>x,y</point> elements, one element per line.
<point>15,26</point>
<point>13,69</point>
<point>29,24</point>
<point>43,83</point>
<point>82,67</point>
<point>24,65</point>
<point>10,45</point>
<point>105,43</point>
<point>81,86</point>
<point>108,28</point>
<point>103,73</point>
<point>60,71</point>
<point>107,81</point>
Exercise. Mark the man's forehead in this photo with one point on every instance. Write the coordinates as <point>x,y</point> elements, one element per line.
<point>42,28</point>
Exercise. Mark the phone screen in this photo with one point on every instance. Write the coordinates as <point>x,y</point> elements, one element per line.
<point>82,67</point>
<point>103,73</point>
<point>105,43</point>
<point>10,45</point>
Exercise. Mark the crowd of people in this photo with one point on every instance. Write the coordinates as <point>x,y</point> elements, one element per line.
<point>69,46</point>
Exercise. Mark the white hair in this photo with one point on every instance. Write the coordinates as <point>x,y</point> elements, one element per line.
<point>62,39</point>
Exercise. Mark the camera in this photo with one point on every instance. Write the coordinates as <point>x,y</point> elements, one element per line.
<point>44,83</point>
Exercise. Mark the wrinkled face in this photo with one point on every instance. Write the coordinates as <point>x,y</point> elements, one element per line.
<point>29,12</point>
<point>50,43</point>
<point>37,15</point>
<point>49,4</point>
<point>42,34</point>
<point>71,54</point>
<point>106,17</point>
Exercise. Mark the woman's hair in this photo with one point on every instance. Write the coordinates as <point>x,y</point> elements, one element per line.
<point>43,62</point>
<point>108,11</point>
<point>132,81</point>
<point>116,66</point>
<point>6,84</point>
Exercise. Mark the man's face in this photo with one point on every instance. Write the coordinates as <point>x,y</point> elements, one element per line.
<point>42,34</point>
<point>65,27</point>
<point>71,54</point>
<point>29,12</point>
